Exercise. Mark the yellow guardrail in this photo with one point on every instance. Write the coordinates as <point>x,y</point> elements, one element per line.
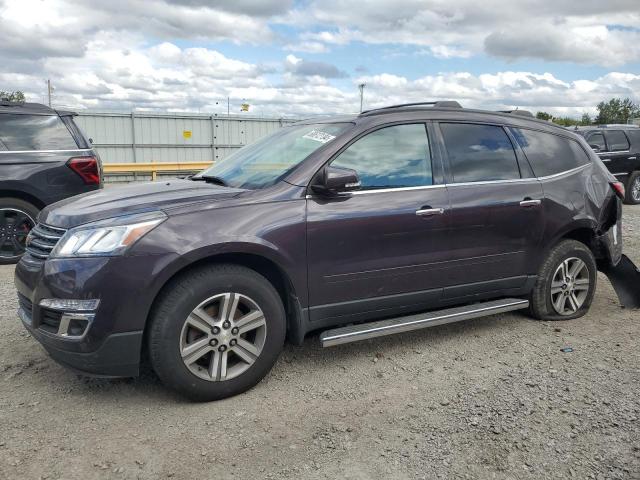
<point>154,167</point>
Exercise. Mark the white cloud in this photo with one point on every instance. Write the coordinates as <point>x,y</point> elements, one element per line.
<point>592,32</point>
<point>502,90</point>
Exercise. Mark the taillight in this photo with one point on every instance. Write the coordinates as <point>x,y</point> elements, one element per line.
<point>87,168</point>
<point>618,187</point>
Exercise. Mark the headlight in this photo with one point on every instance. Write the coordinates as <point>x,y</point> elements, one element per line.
<point>106,237</point>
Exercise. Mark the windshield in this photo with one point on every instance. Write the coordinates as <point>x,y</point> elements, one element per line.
<point>269,159</point>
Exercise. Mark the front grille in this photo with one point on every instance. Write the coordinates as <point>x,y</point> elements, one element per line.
<point>42,239</point>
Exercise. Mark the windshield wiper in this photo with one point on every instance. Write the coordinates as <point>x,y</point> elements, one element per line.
<point>210,179</point>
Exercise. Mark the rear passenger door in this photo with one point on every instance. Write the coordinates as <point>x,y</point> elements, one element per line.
<point>496,215</point>
<point>618,158</point>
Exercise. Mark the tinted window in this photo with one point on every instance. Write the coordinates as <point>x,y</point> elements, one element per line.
<point>617,140</point>
<point>548,153</point>
<point>479,153</point>
<point>634,137</point>
<point>598,140</point>
<point>391,157</point>
<point>34,132</point>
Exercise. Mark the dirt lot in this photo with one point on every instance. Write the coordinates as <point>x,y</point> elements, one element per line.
<point>489,398</point>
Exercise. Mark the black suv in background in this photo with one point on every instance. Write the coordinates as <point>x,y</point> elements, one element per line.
<point>44,158</point>
<point>384,222</point>
<point>618,146</point>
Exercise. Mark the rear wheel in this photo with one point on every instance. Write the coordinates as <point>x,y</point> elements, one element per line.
<point>17,218</point>
<point>632,196</point>
<point>216,332</point>
<point>566,283</point>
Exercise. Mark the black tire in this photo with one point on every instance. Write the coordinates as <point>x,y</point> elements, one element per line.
<point>177,302</point>
<point>14,205</point>
<point>632,195</point>
<point>541,306</point>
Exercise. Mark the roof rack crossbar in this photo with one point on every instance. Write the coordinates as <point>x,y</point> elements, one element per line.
<point>438,104</point>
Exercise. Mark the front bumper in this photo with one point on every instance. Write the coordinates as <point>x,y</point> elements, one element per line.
<point>118,356</point>
<point>125,286</point>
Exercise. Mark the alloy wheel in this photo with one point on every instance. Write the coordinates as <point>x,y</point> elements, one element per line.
<point>570,286</point>
<point>15,225</point>
<point>223,336</point>
<point>635,190</point>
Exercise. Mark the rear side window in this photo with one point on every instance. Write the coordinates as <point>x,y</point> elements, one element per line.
<point>479,153</point>
<point>391,157</point>
<point>597,139</point>
<point>617,140</point>
<point>550,154</point>
<point>634,136</point>
<point>34,132</point>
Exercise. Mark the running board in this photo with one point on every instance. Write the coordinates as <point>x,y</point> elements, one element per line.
<point>354,333</point>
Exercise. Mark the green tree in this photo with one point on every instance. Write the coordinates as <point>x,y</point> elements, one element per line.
<point>543,116</point>
<point>586,119</point>
<point>617,110</point>
<point>16,96</point>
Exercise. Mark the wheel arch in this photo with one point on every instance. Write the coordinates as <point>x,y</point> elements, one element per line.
<point>260,263</point>
<point>22,195</point>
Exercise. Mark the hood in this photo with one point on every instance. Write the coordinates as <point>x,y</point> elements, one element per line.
<point>132,198</point>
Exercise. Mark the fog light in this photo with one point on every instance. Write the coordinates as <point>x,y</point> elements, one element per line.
<point>70,305</point>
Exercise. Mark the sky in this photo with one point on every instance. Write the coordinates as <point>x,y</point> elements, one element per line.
<point>307,57</point>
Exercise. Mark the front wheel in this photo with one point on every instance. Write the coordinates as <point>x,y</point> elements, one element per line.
<point>216,332</point>
<point>566,283</point>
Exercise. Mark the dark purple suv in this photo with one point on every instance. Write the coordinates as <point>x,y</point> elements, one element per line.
<point>392,220</point>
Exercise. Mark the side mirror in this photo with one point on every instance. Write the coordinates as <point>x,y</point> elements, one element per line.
<point>595,148</point>
<point>336,180</point>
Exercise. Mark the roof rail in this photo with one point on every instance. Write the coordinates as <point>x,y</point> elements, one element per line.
<point>618,125</point>
<point>438,104</point>
<point>522,113</point>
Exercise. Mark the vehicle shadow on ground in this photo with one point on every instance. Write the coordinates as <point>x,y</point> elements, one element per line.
<point>309,357</point>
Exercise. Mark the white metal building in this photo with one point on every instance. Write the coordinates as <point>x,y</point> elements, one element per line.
<point>157,137</point>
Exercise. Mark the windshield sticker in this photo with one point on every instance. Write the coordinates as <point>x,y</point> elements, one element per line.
<point>319,136</point>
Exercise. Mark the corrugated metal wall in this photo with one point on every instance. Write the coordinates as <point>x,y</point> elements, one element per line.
<point>155,137</point>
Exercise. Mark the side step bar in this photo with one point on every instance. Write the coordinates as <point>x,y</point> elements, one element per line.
<point>354,333</point>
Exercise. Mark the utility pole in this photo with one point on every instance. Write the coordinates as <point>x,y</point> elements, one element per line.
<point>361,87</point>
<point>49,91</point>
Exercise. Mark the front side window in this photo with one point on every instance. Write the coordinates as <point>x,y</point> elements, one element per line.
<point>271,158</point>
<point>391,157</point>
<point>34,132</point>
<point>617,140</point>
<point>479,153</point>
<point>549,154</point>
<point>597,140</point>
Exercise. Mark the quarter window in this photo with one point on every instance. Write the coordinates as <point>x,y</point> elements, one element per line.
<point>617,140</point>
<point>391,157</point>
<point>479,153</point>
<point>34,132</point>
<point>597,139</point>
<point>550,154</point>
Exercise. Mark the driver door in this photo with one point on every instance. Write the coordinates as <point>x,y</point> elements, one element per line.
<point>382,249</point>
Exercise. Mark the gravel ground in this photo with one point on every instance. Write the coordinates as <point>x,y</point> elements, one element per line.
<point>488,398</point>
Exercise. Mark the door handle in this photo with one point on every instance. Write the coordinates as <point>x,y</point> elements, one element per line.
<point>632,158</point>
<point>530,203</point>
<point>605,160</point>
<point>428,212</point>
